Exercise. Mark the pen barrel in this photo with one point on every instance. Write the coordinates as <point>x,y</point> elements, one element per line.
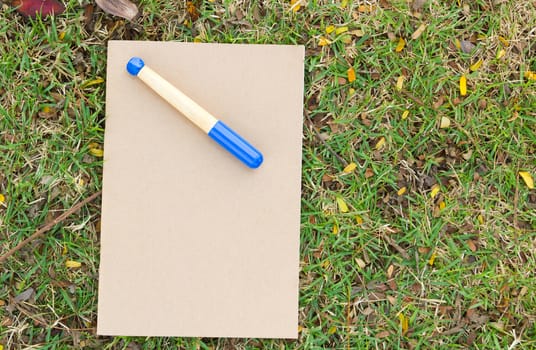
<point>217,130</point>
<point>191,110</point>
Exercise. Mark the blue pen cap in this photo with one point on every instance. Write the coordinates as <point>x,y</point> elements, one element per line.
<point>134,65</point>
<point>236,145</point>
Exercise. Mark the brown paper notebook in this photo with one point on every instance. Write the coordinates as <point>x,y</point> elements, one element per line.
<point>194,243</point>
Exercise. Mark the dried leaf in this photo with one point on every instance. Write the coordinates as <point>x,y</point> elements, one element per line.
<point>295,5</point>
<point>323,41</point>
<point>335,229</point>
<point>501,53</point>
<point>402,191</point>
<point>330,29</point>
<point>343,208</point>
<point>92,82</point>
<point>404,323</point>
<point>400,82</point>
<point>2,198</point>
<point>474,67</point>
<point>390,271</point>
<point>359,220</point>
<point>341,30</point>
<point>405,114</point>
<point>121,8</point>
<point>442,205</point>
<point>466,46</point>
<point>417,4</point>
<point>463,85</point>
<point>418,32</point>
<point>32,8</point>
<point>530,75</point>
<point>383,334</point>
<point>504,41</point>
<point>480,219</point>
<point>471,245</point>
<point>380,143</point>
<point>369,173</point>
<point>351,74</point>
<point>192,10</point>
<point>349,168</point>
<point>360,263</point>
<point>435,190</point>
<point>400,45</point>
<point>445,123</point>
<point>527,177</point>
<point>96,150</point>
<point>332,330</point>
<point>72,264</point>
<point>27,294</point>
<point>357,32</point>
<point>432,259</point>
<point>366,8</point>
<point>344,4</point>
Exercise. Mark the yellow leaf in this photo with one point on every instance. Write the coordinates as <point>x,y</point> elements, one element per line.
<point>343,208</point>
<point>300,328</point>
<point>2,303</point>
<point>418,32</point>
<point>344,3</point>
<point>350,167</point>
<point>474,67</point>
<point>400,82</point>
<point>442,205</point>
<point>404,323</point>
<point>351,91</point>
<point>61,36</point>
<point>1,347</point>
<point>504,41</point>
<point>401,44</point>
<point>380,143</point>
<point>405,114</point>
<point>359,220</point>
<point>480,219</point>
<point>432,259</point>
<point>323,41</point>
<point>330,29</point>
<point>64,250</point>
<point>527,178</point>
<point>96,150</point>
<point>341,30</point>
<point>530,75</point>
<point>92,82</point>
<point>501,53</point>
<point>2,198</point>
<point>463,85</point>
<point>72,264</point>
<point>332,330</point>
<point>402,191</point>
<point>295,5</point>
<point>365,8</point>
<point>458,44</point>
<point>351,74</point>
<point>435,190</point>
<point>326,264</point>
<point>335,229</point>
<point>445,123</point>
<point>198,39</point>
<point>357,32</point>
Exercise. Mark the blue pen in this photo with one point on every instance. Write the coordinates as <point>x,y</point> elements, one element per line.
<point>216,129</point>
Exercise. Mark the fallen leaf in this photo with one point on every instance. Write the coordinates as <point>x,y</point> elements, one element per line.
<point>121,8</point>
<point>335,229</point>
<point>435,190</point>
<point>349,168</point>
<point>390,270</point>
<point>504,41</point>
<point>27,294</point>
<point>365,8</point>
<point>341,30</point>
<point>360,263</point>
<point>530,75</point>
<point>416,34</point>
<point>463,85</point>
<point>343,208</point>
<point>2,198</point>
<point>323,41</point>
<point>480,219</point>
<point>401,191</point>
<point>404,323</point>
<point>400,45</point>
<point>332,330</point>
<point>351,74</point>
<point>471,245</point>
<point>527,177</point>
<point>501,53</point>
<point>466,46</point>
<point>72,264</point>
<point>357,32</point>
<point>474,67</point>
<point>192,10</point>
<point>295,5</point>
<point>2,303</point>
<point>330,29</point>
<point>344,4</point>
<point>417,5</point>
<point>383,334</point>
<point>400,83</point>
<point>92,82</point>
<point>432,259</point>
<point>32,8</point>
<point>359,220</point>
<point>369,173</point>
<point>96,150</point>
<point>380,143</point>
<point>445,123</point>
<point>442,205</point>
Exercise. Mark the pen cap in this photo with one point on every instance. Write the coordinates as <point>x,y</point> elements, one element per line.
<point>236,145</point>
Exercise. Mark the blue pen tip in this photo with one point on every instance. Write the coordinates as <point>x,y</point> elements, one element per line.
<point>134,65</point>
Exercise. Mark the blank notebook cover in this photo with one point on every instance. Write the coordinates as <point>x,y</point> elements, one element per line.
<point>194,243</point>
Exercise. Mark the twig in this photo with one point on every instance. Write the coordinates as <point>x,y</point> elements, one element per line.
<point>395,245</point>
<point>317,135</point>
<point>48,226</point>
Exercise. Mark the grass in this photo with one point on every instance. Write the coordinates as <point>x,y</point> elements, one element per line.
<point>395,271</point>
